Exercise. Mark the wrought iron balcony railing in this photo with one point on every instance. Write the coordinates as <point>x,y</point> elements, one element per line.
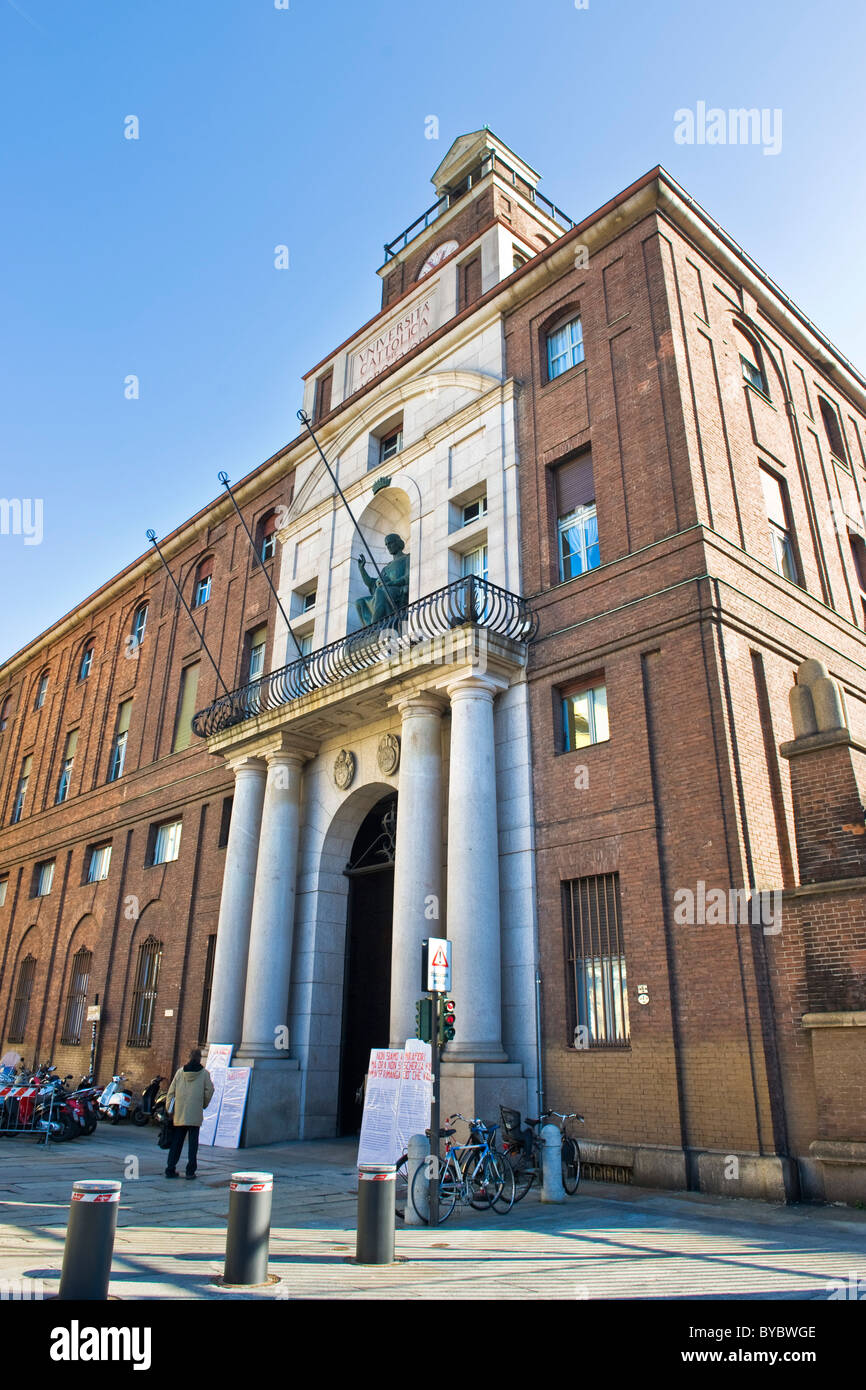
<point>490,163</point>
<point>470,601</point>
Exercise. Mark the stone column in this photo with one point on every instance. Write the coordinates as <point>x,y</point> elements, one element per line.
<point>236,902</point>
<point>473,873</point>
<point>270,954</point>
<point>418,856</point>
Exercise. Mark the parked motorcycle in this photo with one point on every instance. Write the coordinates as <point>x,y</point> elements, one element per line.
<point>152,1103</point>
<point>116,1101</point>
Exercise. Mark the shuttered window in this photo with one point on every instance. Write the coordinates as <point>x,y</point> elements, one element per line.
<point>470,282</point>
<point>21,793</point>
<point>66,766</point>
<point>144,993</point>
<point>118,748</point>
<point>21,1000</point>
<point>186,707</point>
<point>76,998</point>
<point>322,404</point>
<point>577,523</point>
<point>595,963</point>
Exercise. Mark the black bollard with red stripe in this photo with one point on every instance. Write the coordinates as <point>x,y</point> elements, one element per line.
<point>376,1187</point>
<point>249,1233</point>
<point>89,1241</point>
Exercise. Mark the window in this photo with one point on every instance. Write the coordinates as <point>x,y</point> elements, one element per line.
<point>43,878</point>
<point>98,862</point>
<point>4,883</point>
<point>21,793</point>
<point>166,846</point>
<point>144,993</point>
<point>834,430</point>
<point>322,402</point>
<point>309,600</point>
<point>564,348</point>
<point>473,511</point>
<point>780,530</point>
<point>577,525</point>
<point>204,1016</point>
<point>390,445</point>
<point>258,642</point>
<point>139,623</point>
<point>185,707</point>
<point>519,259</point>
<point>475,562</point>
<point>66,766</point>
<point>76,999</point>
<point>203,576</point>
<point>469,282</point>
<point>858,551</point>
<point>268,537</point>
<point>305,643</point>
<point>41,689</point>
<point>752,366</point>
<point>225,822</point>
<point>21,999</point>
<point>86,662</point>
<point>4,712</point>
<point>595,962</point>
<point>118,747</point>
<point>584,717</point>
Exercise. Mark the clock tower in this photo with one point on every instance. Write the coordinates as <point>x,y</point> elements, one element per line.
<point>488,220</point>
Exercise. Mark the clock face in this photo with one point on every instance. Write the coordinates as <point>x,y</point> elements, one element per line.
<point>436,257</point>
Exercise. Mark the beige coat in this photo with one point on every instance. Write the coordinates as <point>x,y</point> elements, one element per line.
<point>192,1091</point>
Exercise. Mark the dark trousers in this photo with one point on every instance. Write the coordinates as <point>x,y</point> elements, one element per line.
<point>178,1135</point>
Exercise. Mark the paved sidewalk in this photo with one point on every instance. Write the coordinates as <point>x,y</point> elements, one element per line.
<point>607,1242</point>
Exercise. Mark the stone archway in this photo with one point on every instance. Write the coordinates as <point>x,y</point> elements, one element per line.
<point>318,975</point>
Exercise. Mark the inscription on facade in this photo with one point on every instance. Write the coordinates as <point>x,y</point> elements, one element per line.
<point>390,345</point>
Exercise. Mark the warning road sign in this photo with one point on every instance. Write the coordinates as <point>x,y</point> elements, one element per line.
<point>438,964</point>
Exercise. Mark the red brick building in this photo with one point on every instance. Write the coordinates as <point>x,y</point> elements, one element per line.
<point>676,486</point>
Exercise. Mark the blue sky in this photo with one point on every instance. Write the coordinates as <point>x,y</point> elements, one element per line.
<point>305,126</point>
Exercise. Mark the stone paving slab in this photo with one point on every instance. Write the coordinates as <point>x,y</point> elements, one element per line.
<point>607,1242</point>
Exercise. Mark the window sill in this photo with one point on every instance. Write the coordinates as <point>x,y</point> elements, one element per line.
<point>563,376</point>
<point>762,395</point>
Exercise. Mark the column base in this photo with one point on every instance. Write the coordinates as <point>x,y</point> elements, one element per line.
<point>477,1089</point>
<point>273,1100</point>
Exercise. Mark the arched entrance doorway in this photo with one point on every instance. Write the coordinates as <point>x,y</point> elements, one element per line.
<point>367,975</point>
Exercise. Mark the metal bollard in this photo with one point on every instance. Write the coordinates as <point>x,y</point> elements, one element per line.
<point>376,1186</point>
<point>89,1241</point>
<point>418,1151</point>
<point>552,1189</point>
<point>249,1232</point>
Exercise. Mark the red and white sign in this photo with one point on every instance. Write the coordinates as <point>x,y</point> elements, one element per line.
<point>439,964</point>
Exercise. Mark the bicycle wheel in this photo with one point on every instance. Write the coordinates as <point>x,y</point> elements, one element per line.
<point>570,1165</point>
<point>401,1188</point>
<point>449,1187</point>
<point>505,1201</point>
<point>486,1181</point>
<point>523,1169</point>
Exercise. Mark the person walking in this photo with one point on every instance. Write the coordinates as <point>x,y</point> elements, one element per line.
<point>191,1091</point>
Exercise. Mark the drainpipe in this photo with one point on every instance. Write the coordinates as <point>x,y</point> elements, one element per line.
<point>540,1087</point>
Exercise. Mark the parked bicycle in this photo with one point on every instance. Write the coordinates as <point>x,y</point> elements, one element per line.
<point>524,1149</point>
<point>474,1173</point>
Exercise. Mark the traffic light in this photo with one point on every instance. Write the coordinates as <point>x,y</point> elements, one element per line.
<point>424,1020</point>
<point>446,1022</point>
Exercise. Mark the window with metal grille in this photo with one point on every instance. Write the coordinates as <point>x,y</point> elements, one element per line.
<point>21,1001</point>
<point>76,999</point>
<point>204,1017</point>
<point>144,993</point>
<point>596,991</point>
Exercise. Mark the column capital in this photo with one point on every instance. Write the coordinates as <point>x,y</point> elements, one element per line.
<point>247,762</point>
<point>486,686</point>
<point>423,702</point>
<point>287,747</point>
